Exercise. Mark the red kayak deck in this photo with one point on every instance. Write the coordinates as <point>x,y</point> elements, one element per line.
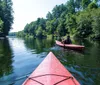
<point>51,72</point>
<point>70,46</point>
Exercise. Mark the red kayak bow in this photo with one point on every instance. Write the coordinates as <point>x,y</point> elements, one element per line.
<point>51,72</point>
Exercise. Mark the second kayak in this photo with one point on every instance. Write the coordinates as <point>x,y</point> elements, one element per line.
<point>70,46</point>
<point>51,72</point>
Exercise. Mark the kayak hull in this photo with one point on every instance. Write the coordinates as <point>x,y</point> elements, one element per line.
<point>51,72</point>
<point>70,46</point>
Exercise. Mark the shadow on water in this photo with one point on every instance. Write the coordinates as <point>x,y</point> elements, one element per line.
<point>6,56</point>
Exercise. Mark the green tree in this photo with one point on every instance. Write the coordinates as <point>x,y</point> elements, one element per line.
<point>6,16</point>
<point>70,6</point>
<point>1,25</point>
<point>20,34</point>
<point>49,16</point>
<point>51,26</point>
<point>61,29</point>
<point>71,24</point>
<point>92,5</point>
<point>96,22</point>
<point>78,5</point>
<point>57,10</point>
<point>77,17</point>
<point>85,3</point>
<point>84,24</point>
<point>39,32</point>
<point>26,28</point>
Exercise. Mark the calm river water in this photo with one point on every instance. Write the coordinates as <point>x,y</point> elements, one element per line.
<point>19,57</point>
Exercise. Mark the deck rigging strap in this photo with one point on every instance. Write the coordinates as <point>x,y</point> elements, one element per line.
<point>66,78</point>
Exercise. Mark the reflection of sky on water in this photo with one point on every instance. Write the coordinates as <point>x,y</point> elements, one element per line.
<point>28,54</point>
<point>24,61</point>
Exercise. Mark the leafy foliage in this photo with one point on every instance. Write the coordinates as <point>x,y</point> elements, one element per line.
<point>96,22</point>
<point>6,15</point>
<point>84,27</point>
<point>1,25</point>
<point>85,3</point>
<point>70,6</point>
<point>80,18</point>
<point>92,5</point>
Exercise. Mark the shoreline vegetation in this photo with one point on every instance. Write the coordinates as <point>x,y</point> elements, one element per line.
<point>77,18</point>
<point>6,17</point>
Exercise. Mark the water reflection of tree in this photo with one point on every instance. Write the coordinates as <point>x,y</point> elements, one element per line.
<point>5,58</point>
<point>39,45</point>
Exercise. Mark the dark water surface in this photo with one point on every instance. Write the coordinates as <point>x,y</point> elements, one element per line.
<point>19,57</point>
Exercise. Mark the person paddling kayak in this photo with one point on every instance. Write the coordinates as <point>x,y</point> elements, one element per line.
<point>67,41</point>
